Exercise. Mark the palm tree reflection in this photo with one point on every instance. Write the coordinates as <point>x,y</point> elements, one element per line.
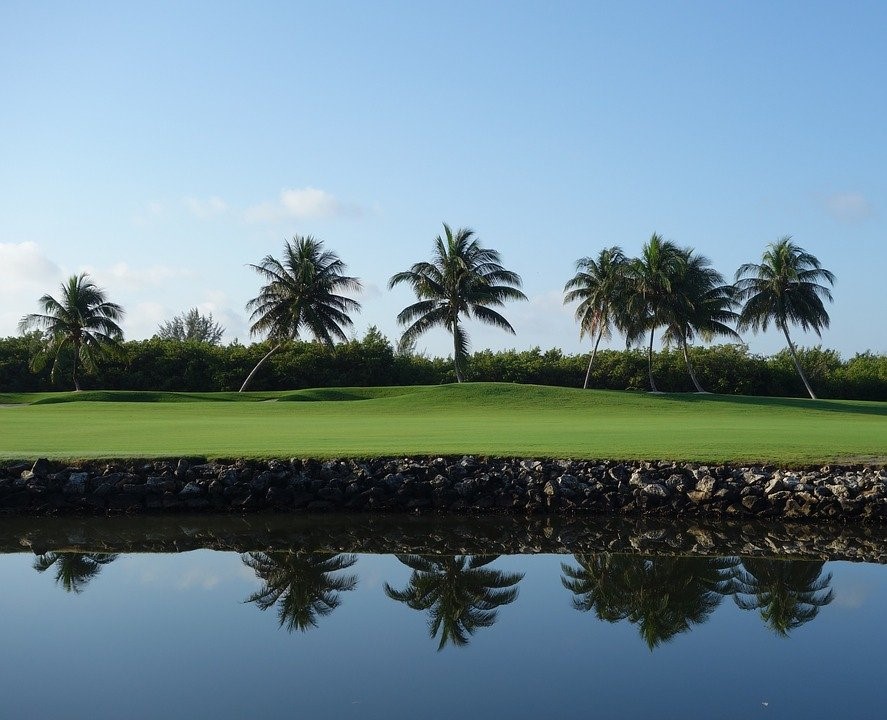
<point>302,584</point>
<point>73,571</point>
<point>788,593</point>
<point>663,596</point>
<point>459,592</point>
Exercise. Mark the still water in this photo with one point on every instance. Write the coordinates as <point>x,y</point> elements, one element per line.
<point>292,633</point>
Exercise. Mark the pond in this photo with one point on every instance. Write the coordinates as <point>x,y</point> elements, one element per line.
<point>95,626</point>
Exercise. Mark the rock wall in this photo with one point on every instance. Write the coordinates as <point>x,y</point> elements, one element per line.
<point>467,485</point>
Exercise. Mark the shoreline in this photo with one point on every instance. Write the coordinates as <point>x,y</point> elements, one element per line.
<point>445,535</point>
<point>465,485</point>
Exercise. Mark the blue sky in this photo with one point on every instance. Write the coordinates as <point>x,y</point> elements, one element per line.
<point>165,146</point>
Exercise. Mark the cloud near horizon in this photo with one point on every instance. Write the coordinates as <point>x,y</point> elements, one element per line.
<point>302,204</point>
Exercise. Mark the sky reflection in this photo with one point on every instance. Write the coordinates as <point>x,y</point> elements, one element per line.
<point>184,635</point>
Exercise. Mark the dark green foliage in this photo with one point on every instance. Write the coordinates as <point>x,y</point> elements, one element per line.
<point>169,365</point>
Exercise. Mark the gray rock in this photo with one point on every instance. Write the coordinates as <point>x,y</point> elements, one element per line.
<point>192,489</point>
<point>76,484</point>
<point>656,490</point>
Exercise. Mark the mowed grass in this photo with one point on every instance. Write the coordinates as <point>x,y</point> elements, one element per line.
<point>473,418</point>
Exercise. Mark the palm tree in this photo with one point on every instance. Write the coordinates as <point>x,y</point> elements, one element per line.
<point>73,571</point>
<point>463,279</point>
<point>301,291</point>
<point>785,289</point>
<point>663,596</point>
<point>83,319</point>
<point>301,583</point>
<point>599,285</point>
<point>788,593</point>
<point>650,279</point>
<point>459,591</point>
<point>700,303</point>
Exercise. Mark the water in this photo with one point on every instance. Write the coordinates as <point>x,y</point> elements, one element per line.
<point>148,635</point>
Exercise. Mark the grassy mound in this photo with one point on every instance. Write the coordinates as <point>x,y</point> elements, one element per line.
<point>477,418</point>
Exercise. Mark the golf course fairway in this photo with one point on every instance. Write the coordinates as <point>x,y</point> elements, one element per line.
<point>473,418</point>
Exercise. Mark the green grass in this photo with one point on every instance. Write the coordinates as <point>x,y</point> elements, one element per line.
<point>481,418</point>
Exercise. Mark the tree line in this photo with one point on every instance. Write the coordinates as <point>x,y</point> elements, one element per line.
<point>171,365</point>
<point>307,293</point>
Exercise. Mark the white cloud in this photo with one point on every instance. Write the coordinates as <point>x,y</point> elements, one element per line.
<point>148,213</point>
<point>205,209</point>
<point>25,275</point>
<point>122,277</point>
<point>853,596</point>
<point>848,206</point>
<point>301,204</point>
<point>198,577</point>
<point>23,265</point>
<point>143,318</point>
<point>370,291</point>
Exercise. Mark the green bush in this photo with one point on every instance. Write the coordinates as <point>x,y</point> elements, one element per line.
<point>170,365</point>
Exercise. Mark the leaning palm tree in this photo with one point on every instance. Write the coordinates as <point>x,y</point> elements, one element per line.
<point>81,319</point>
<point>787,593</point>
<point>649,282</point>
<point>301,584</point>
<point>700,303</point>
<point>785,288</point>
<point>463,279</point>
<point>301,292</point>
<point>599,286</point>
<point>73,571</point>
<point>460,593</point>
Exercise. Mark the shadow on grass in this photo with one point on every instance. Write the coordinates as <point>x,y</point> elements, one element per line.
<point>855,407</point>
<point>141,396</point>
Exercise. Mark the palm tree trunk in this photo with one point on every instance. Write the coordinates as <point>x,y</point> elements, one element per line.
<point>74,370</point>
<point>457,355</point>
<point>791,347</point>
<point>258,365</point>
<point>591,359</point>
<point>690,365</point>
<point>650,361</point>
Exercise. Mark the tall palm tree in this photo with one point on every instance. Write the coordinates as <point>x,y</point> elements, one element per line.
<point>663,596</point>
<point>785,288</point>
<point>460,593</point>
<point>599,286</point>
<point>788,593</point>
<point>73,571</point>
<point>650,279</point>
<point>700,303</point>
<point>463,279</point>
<point>82,319</point>
<point>301,583</point>
<point>301,292</point>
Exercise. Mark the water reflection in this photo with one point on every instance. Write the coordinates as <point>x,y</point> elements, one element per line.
<point>460,593</point>
<point>301,584</point>
<point>666,596</point>
<point>788,593</point>
<point>73,571</point>
<point>663,596</point>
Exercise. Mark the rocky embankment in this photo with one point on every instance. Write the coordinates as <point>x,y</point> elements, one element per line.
<point>465,485</point>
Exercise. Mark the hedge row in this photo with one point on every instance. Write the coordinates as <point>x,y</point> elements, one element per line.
<point>185,366</point>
